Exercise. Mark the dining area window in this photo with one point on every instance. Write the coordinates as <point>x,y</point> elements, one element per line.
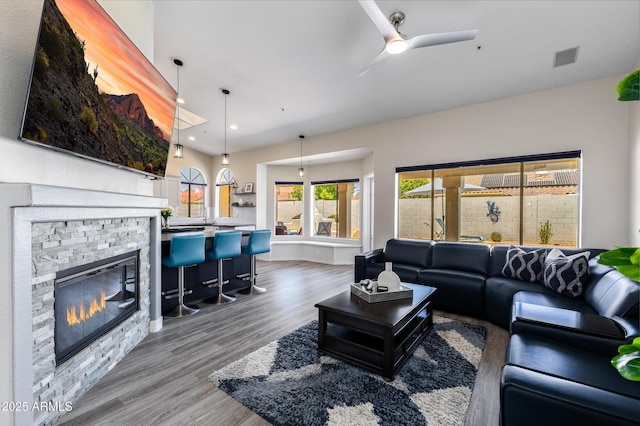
<point>336,208</point>
<point>289,208</point>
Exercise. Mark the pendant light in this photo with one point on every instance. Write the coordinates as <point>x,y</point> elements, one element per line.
<point>178,148</point>
<point>301,169</point>
<point>225,156</point>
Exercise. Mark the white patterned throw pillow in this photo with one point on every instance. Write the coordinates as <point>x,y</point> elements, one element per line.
<point>566,274</point>
<point>524,266</point>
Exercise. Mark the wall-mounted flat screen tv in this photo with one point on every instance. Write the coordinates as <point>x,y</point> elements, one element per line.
<point>94,94</point>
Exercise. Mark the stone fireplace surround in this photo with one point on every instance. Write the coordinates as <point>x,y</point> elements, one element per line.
<point>52,229</point>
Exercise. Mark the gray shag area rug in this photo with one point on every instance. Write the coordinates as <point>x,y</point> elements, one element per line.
<point>288,382</point>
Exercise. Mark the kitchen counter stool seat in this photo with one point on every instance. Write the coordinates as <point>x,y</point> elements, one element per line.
<point>185,250</point>
<point>259,242</point>
<point>226,245</point>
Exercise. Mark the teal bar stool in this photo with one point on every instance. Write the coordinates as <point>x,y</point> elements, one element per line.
<point>259,242</point>
<point>225,245</point>
<point>185,250</point>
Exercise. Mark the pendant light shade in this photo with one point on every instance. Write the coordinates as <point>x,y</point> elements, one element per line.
<point>177,153</point>
<point>225,156</point>
<point>301,169</point>
<point>178,148</point>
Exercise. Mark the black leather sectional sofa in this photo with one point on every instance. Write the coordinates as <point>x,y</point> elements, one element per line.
<point>557,366</point>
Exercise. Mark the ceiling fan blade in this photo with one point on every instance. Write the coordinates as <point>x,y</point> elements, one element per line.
<point>375,60</point>
<point>379,20</point>
<point>425,40</point>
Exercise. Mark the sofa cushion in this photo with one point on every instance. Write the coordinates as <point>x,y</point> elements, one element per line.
<point>557,359</point>
<point>408,252</point>
<point>566,274</point>
<point>524,266</point>
<point>531,398</point>
<point>458,291</point>
<point>552,299</point>
<point>499,293</point>
<point>468,257</point>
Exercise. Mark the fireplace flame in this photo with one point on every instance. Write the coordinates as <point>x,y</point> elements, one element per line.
<point>73,317</point>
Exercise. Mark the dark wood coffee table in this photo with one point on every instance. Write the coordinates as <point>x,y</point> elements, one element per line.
<point>379,337</point>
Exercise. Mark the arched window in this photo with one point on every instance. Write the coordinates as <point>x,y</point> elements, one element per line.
<point>225,182</point>
<point>193,187</point>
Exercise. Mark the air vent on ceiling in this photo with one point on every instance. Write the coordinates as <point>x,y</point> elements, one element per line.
<point>565,57</point>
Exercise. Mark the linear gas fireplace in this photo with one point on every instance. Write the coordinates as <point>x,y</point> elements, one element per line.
<point>92,299</point>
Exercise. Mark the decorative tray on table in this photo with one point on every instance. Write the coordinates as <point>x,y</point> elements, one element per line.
<point>381,296</point>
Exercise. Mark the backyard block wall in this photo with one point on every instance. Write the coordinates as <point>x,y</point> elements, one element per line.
<point>560,210</point>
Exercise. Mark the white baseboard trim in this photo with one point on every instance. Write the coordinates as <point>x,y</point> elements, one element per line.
<point>155,325</point>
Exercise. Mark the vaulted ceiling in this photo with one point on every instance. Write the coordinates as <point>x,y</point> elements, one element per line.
<point>292,66</point>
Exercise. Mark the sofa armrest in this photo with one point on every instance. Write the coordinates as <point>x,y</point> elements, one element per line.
<point>584,330</point>
<point>578,322</point>
<point>361,261</point>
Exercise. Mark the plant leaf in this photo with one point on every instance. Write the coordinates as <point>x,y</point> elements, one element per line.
<point>628,361</point>
<point>618,256</point>
<point>630,271</point>
<point>628,365</point>
<point>628,349</point>
<point>629,87</point>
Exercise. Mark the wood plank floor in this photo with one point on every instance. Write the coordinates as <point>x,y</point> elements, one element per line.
<point>164,380</point>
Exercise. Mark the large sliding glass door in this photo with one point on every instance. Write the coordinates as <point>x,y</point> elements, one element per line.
<point>528,200</point>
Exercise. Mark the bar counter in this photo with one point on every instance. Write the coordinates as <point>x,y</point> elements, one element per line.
<point>195,275</point>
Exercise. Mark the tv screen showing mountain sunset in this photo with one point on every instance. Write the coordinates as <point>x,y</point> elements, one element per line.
<point>94,94</point>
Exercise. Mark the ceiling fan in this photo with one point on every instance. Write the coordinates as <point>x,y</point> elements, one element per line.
<point>396,42</point>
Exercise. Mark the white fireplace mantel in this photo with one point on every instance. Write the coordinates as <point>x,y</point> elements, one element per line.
<point>21,205</point>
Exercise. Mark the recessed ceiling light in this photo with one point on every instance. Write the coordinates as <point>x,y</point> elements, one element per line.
<point>180,100</point>
<point>191,138</point>
<point>233,127</point>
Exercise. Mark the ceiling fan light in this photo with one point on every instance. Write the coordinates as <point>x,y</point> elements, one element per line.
<point>395,47</point>
<point>225,159</point>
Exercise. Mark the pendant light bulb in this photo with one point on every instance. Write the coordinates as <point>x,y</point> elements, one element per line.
<point>225,156</point>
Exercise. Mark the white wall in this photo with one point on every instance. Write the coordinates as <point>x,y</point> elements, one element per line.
<point>21,162</point>
<point>585,116</point>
